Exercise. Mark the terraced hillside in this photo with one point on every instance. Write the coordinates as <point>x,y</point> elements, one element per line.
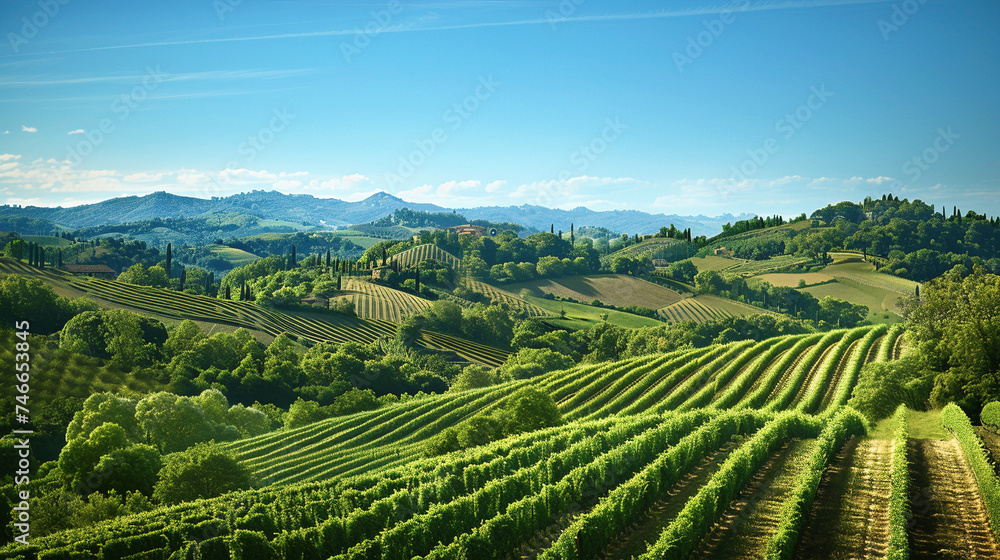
<point>372,301</point>
<point>654,453</point>
<point>615,289</point>
<point>655,248</point>
<point>740,374</point>
<point>167,303</point>
<point>427,251</point>
<point>515,302</point>
<point>706,307</point>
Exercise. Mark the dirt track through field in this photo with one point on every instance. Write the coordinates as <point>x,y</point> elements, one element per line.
<point>850,517</point>
<point>748,523</point>
<point>949,519</point>
<point>644,532</point>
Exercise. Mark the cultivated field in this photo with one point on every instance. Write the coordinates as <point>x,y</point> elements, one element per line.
<point>705,307</point>
<point>47,240</point>
<point>734,451</point>
<point>428,251</point>
<point>581,316</point>
<point>372,301</point>
<point>515,302</point>
<point>615,289</point>
<point>235,257</point>
<point>178,305</point>
<point>713,262</point>
<point>655,248</point>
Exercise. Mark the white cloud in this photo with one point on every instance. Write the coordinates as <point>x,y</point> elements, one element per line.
<point>142,177</point>
<point>8,165</point>
<point>285,185</point>
<point>77,131</point>
<point>453,188</point>
<point>8,157</point>
<point>495,186</point>
<point>568,193</point>
<point>345,184</point>
<point>244,176</point>
<point>880,180</point>
<point>25,128</point>
<point>6,132</point>
<point>191,177</point>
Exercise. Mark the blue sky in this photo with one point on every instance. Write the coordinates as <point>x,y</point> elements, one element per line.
<point>686,107</point>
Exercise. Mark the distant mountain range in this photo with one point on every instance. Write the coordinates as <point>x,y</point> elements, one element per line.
<point>310,210</point>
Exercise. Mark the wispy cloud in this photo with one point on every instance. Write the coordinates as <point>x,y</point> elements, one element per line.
<point>77,131</point>
<point>208,76</point>
<point>25,128</point>
<point>757,7</point>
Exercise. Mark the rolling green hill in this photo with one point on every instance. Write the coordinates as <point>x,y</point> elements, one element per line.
<point>615,289</point>
<point>673,429</point>
<point>178,305</point>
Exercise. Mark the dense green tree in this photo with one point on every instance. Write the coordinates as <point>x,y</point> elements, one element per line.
<point>956,324</point>
<point>532,362</point>
<point>101,408</point>
<point>82,454</point>
<point>135,274</point>
<point>530,409</point>
<point>883,386</point>
<point>302,413</point>
<point>174,423</point>
<point>203,471</point>
<point>29,299</point>
<point>473,377</point>
<point>131,469</point>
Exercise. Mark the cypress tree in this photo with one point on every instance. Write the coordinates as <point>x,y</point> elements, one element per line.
<point>170,259</point>
<point>572,235</point>
<point>227,292</point>
<point>328,258</point>
<point>182,279</point>
<point>292,264</point>
<point>552,228</point>
<point>383,256</point>
<point>418,280</point>
<point>338,282</point>
<point>60,258</point>
<point>41,257</point>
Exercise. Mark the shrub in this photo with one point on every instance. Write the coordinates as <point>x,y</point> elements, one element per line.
<point>991,416</point>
